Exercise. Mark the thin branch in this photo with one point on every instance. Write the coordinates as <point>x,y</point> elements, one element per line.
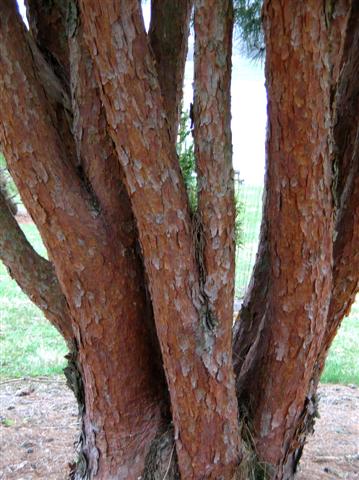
<point>48,25</point>
<point>35,275</point>
<point>96,153</point>
<point>45,176</point>
<point>213,24</point>
<point>346,138</point>
<point>168,34</point>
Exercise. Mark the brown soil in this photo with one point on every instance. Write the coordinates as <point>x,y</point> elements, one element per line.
<point>38,430</point>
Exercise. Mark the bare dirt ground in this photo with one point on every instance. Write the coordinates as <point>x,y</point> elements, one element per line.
<point>38,429</point>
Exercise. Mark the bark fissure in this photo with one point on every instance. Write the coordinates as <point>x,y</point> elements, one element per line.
<point>109,315</point>
<point>298,185</point>
<point>133,101</point>
<point>89,116</point>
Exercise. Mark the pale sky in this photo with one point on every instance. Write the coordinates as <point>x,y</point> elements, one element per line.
<point>248,111</point>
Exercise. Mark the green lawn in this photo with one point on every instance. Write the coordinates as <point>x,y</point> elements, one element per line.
<point>342,365</point>
<point>30,346</point>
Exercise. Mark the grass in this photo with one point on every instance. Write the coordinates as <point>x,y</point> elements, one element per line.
<point>342,365</point>
<point>250,208</point>
<point>30,346</point>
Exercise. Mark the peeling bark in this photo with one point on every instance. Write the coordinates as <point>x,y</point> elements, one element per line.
<point>108,318</point>
<point>213,147</point>
<point>300,227</point>
<point>201,405</point>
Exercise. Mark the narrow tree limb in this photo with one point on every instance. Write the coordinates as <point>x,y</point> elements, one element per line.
<point>35,275</point>
<point>48,39</point>
<point>346,139</point>
<point>95,148</point>
<point>337,17</point>
<point>300,227</point>
<point>213,24</point>
<point>135,112</point>
<point>249,325</point>
<point>346,104</point>
<point>48,25</point>
<point>168,35</point>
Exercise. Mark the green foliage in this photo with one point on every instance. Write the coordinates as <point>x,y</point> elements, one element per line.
<point>342,364</point>
<point>187,160</point>
<point>185,152</point>
<point>248,22</point>
<point>30,346</point>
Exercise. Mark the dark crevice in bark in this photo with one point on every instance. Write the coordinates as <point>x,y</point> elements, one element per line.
<point>79,470</point>
<point>206,312</point>
<point>346,110</point>
<point>249,325</point>
<point>168,35</point>
<point>48,22</point>
<point>161,460</point>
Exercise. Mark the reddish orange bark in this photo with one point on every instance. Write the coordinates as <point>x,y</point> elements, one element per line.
<point>168,36</point>
<point>108,314</point>
<point>213,140</point>
<point>132,102</point>
<point>100,177</point>
<point>260,330</point>
<point>300,227</point>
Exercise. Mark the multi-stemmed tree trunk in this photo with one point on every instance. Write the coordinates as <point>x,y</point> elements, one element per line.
<point>140,286</point>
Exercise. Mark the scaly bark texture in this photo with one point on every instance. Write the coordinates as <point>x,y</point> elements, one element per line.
<point>108,317</point>
<point>141,286</point>
<point>213,140</point>
<point>202,406</point>
<point>168,36</point>
<point>300,227</point>
<point>346,186</point>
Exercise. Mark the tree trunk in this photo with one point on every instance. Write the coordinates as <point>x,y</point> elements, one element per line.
<point>140,286</point>
<point>272,332</point>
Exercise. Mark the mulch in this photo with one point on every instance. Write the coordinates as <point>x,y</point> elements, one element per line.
<point>39,428</point>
